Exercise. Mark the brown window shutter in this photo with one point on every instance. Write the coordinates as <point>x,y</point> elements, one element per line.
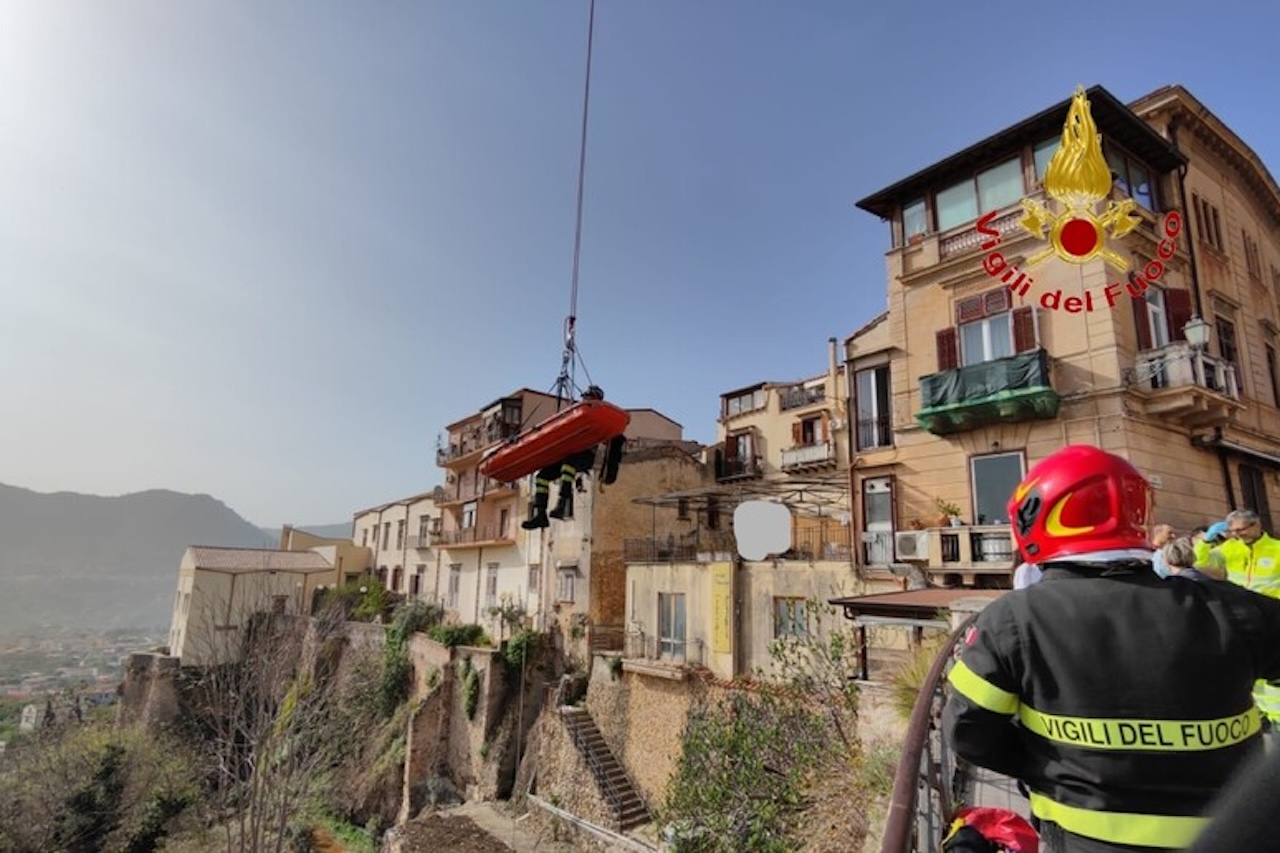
<point>731,447</point>
<point>826,428</point>
<point>969,309</point>
<point>995,301</point>
<point>1141,323</point>
<point>797,436</point>
<point>1177,307</point>
<point>1024,329</point>
<point>948,354</point>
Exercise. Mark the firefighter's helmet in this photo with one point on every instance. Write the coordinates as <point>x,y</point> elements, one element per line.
<point>593,392</point>
<point>1080,500</point>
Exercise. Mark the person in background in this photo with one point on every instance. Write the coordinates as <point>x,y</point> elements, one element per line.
<point>1180,556</point>
<point>1122,701</point>
<point>1208,558</point>
<point>1253,561</point>
<point>1161,534</point>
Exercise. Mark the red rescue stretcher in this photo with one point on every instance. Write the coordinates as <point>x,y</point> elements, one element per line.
<point>579,427</point>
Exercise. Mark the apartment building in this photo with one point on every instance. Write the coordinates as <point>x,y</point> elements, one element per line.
<point>693,601</point>
<point>998,349</point>
<point>349,560</point>
<point>570,574</point>
<point>401,540</point>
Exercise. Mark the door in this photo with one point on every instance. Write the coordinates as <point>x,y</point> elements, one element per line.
<point>877,521</point>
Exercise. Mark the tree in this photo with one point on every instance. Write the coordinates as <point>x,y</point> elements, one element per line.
<point>276,717</point>
<point>98,787</point>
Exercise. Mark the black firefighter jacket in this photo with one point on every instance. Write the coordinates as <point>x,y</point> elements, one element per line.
<point>1122,700</point>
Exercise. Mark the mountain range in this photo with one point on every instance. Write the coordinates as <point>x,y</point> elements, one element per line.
<point>85,562</point>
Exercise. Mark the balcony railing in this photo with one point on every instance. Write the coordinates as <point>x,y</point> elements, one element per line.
<point>968,239</point>
<point>808,455</point>
<point>874,433</point>
<point>479,534</point>
<point>705,547</point>
<point>682,650</point>
<point>1005,390</point>
<point>461,492</point>
<point>798,396</point>
<point>975,545</point>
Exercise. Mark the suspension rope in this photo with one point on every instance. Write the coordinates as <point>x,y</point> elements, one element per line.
<point>565,383</point>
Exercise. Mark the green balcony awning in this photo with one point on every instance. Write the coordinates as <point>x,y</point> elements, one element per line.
<point>1003,390</point>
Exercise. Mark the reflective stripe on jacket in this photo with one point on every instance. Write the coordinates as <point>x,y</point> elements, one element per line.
<point>1257,567</point>
<point>1121,700</point>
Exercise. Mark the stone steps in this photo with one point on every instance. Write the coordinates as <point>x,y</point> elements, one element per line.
<point>626,805</point>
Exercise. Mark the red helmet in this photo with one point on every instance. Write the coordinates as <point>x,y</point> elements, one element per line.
<point>1078,501</point>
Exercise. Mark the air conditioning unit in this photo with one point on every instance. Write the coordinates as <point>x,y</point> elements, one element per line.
<point>911,544</point>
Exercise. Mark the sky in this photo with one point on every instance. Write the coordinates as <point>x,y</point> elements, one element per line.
<point>267,251</point>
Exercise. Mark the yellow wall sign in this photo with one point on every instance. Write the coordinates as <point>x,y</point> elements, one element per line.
<point>722,608</point>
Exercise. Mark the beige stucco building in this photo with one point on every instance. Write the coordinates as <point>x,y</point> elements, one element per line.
<point>349,560</point>
<point>219,588</point>
<point>565,575</point>
<point>977,371</point>
<point>398,539</point>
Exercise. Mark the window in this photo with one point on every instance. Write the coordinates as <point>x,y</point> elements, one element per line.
<point>364,540</point>
<point>1226,335</point>
<point>671,624</point>
<point>1160,316</point>
<point>279,603</point>
<point>1252,260</point>
<point>375,537</point>
<point>994,479</point>
<point>1043,153</point>
<point>986,339</point>
<point>739,455</point>
<point>1208,224</point>
<point>809,432</point>
<point>713,513</point>
<point>386,535</point>
<point>424,530</point>
<point>415,581</point>
<point>1131,177</point>
<point>682,509</point>
<point>455,584</point>
<point>1253,492</point>
<point>395,579</point>
<point>789,619</point>
<point>872,389</point>
<point>566,580</point>
<point>746,402</point>
<point>535,579</point>
<point>491,586</point>
<point>1271,372</point>
<point>468,515</point>
<point>400,535</point>
<point>914,220</point>
<point>992,189</point>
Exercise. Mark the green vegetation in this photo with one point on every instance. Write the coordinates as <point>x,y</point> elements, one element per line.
<point>470,680</point>
<point>460,635</point>
<point>908,677</point>
<point>94,787</point>
<point>753,760</point>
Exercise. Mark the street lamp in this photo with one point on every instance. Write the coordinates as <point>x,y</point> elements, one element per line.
<point>1196,331</point>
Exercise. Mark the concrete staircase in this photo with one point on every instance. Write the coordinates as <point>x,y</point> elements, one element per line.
<point>619,794</point>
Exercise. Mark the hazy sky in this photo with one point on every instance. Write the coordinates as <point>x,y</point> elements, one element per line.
<point>268,250</point>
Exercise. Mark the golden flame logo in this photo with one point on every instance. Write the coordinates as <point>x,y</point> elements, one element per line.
<point>1078,178</point>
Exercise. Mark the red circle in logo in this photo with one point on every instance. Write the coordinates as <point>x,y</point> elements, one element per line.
<point>1079,237</point>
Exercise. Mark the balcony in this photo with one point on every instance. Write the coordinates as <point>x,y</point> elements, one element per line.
<point>483,534</point>
<point>973,555</point>
<point>820,455</point>
<point>698,547</point>
<point>1185,385</point>
<point>1005,390</point>
<point>671,651</point>
<point>737,468</point>
<point>797,397</point>
<point>874,433</point>
<point>459,492</point>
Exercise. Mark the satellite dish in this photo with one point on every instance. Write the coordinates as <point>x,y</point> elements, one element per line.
<point>761,528</point>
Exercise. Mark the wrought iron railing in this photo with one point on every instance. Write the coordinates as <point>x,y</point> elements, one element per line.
<point>604,780</point>
<point>874,433</point>
<point>797,396</point>
<point>706,546</point>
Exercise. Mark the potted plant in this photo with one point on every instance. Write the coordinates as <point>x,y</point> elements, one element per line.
<point>950,513</point>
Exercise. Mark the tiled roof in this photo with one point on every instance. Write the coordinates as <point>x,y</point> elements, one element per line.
<point>257,560</point>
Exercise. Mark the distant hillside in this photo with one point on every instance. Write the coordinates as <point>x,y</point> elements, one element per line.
<point>341,530</point>
<point>72,560</point>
